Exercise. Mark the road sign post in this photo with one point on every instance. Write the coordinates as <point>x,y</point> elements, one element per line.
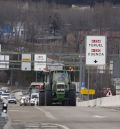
<point>26,62</point>
<point>95,52</point>
<point>88,82</point>
<point>40,62</point>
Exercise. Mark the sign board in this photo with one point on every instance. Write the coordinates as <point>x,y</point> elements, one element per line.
<point>4,61</point>
<point>116,83</point>
<point>117,91</point>
<point>40,62</point>
<point>55,66</point>
<point>95,50</point>
<point>82,85</point>
<point>109,93</point>
<point>86,91</point>
<point>117,87</point>
<point>26,62</point>
<point>116,67</point>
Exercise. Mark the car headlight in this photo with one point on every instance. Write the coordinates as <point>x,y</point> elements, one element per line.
<point>5,105</point>
<point>4,111</point>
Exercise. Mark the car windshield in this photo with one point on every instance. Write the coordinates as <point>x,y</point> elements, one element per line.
<point>60,76</point>
<point>34,96</point>
<point>12,97</point>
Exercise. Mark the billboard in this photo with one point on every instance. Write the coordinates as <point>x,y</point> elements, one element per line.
<point>40,62</point>
<point>95,50</point>
<point>26,62</point>
<point>4,62</point>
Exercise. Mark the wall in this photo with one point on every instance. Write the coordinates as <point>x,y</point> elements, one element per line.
<point>102,102</point>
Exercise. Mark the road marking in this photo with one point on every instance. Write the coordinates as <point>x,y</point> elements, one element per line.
<point>49,126</point>
<point>47,114</point>
<point>32,126</point>
<point>15,110</point>
<point>62,126</point>
<point>52,124</point>
<point>98,116</point>
<point>40,125</point>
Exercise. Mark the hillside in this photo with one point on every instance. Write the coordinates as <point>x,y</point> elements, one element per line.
<point>86,2</point>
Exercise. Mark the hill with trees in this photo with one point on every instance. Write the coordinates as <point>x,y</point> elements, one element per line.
<point>83,2</point>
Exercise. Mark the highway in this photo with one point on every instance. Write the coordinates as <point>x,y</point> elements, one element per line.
<point>63,117</point>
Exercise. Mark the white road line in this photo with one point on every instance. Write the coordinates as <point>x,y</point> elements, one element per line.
<point>62,126</point>
<point>15,110</point>
<point>54,125</point>
<point>49,126</point>
<point>47,114</point>
<point>32,126</point>
<point>99,116</point>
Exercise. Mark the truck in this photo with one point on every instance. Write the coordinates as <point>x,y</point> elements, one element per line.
<point>58,90</point>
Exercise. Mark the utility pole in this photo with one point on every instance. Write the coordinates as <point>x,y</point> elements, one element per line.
<point>36,76</point>
<point>88,82</point>
<point>11,77</point>
<point>80,71</point>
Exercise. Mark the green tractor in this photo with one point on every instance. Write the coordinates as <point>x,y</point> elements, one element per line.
<point>60,89</point>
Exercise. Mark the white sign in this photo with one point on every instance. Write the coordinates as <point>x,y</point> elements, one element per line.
<point>40,62</point>
<point>95,50</point>
<point>4,62</point>
<point>26,62</point>
<point>55,66</point>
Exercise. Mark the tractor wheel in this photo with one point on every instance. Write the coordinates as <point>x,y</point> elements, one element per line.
<point>66,101</point>
<point>41,98</point>
<point>72,97</point>
<point>48,98</point>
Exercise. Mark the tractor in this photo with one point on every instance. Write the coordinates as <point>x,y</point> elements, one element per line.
<point>60,89</point>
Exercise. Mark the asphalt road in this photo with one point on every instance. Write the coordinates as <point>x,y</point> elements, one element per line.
<point>60,117</point>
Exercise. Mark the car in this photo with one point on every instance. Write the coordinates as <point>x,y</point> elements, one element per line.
<point>1,92</point>
<point>12,99</point>
<point>4,96</point>
<point>34,99</point>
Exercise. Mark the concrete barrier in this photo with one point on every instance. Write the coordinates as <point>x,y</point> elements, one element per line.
<point>104,102</point>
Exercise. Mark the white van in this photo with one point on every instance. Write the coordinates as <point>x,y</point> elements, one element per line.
<point>34,99</point>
